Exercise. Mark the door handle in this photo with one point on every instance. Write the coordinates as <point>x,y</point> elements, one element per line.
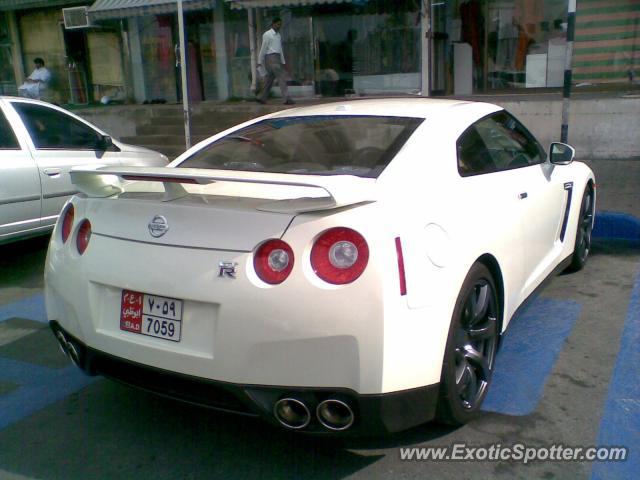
<point>52,172</point>
<point>523,195</point>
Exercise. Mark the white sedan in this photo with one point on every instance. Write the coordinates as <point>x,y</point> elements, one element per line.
<point>39,144</point>
<point>344,268</point>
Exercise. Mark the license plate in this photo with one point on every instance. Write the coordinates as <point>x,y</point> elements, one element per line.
<point>151,315</point>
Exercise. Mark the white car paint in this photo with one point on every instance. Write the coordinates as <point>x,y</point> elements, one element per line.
<point>35,181</point>
<point>364,336</point>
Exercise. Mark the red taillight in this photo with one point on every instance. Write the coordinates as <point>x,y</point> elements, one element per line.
<point>403,280</point>
<point>67,223</point>
<point>273,261</point>
<point>84,235</point>
<point>339,255</point>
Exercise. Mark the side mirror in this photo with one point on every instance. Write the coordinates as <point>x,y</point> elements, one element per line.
<point>561,153</point>
<point>104,143</point>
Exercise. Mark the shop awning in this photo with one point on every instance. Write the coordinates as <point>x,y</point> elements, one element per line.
<point>238,4</point>
<point>105,9</point>
<point>25,4</point>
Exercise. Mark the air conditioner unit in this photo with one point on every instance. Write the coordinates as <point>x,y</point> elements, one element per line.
<point>76,17</point>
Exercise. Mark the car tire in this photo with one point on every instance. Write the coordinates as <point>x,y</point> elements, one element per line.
<point>471,349</point>
<point>582,245</point>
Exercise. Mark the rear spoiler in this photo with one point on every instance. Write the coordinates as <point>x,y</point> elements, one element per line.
<point>341,190</point>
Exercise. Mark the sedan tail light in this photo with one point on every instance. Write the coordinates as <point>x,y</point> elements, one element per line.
<point>67,222</point>
<point>339,255</point>
<point>84,235</point>
<point>273,261</point>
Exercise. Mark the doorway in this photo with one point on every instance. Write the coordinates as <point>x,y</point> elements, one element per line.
<point>334,62</point>
<point>77,63</point>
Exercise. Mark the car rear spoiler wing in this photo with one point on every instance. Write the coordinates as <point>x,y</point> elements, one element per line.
<point>341,190</point>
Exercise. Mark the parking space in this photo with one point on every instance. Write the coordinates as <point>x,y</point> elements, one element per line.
<point>567,374</point>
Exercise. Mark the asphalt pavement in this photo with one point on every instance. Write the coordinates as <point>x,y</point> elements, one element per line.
<point>566,375</point>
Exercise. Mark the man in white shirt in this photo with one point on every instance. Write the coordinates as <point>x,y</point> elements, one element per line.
<point>36,84</point>
<point>271,59</point>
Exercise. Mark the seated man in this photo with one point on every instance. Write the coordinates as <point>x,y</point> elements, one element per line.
<point>36,84</point>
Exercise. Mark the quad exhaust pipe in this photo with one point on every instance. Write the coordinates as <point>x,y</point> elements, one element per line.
<point>333,414</point>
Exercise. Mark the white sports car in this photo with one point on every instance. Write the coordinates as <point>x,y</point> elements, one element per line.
<point>346,267</point>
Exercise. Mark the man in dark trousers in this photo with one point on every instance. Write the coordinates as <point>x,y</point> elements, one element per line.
<point>271,59</point>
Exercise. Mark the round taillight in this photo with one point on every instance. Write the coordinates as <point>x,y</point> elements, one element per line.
<point>84,235</point>
<point>273,261</point>
<point>339,255</point>
<point>67,222</point>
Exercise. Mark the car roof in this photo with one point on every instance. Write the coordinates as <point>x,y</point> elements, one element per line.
<point>13,97</point>
<point>418,107</point>
<point>10,98</point>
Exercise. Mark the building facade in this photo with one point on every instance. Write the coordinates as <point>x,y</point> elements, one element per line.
<point>128,50</point>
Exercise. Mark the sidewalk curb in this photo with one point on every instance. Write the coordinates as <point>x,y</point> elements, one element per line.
<point>616,225</point>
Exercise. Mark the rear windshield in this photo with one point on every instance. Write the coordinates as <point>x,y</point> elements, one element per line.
<point>310,145</point>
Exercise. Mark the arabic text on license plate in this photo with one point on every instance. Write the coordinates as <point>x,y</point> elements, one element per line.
<point>151,315</point>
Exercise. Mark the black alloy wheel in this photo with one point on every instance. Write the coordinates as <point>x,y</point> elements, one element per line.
<point>583,232</point>
<point>471,349</point>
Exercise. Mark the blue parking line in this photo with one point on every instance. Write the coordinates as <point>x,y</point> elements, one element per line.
<point>38,388</point>
<point>620,424</point>
<point>527,355</point>
<point>31,308</point>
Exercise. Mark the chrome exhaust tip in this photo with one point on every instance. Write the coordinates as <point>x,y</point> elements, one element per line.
<point>335,414</point>
<point>292,413</point>
<point>68,348</point>
<point>62,343</point>
<point>74,355</point>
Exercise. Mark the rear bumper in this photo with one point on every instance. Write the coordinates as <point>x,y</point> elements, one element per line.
<point>374,414</point>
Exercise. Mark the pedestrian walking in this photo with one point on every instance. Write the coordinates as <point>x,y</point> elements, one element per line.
<point>271,61</point>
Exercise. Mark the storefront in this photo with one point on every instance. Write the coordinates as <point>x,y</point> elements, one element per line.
<point>151,32</point>
<point>79,59</point>
<point>492,46</point>
<point>365,47</point>
<point>128,50</point>
<point>42,35</point>
<point>344,46</point>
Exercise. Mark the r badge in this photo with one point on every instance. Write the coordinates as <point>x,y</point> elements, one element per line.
<point>227,269</point>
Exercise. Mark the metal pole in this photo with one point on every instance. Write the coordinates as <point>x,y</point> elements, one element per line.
<point>252,49</point>
<point>566,92</point>
<point>126,62</point>
<point>183,76</point>
<point>425,48</point>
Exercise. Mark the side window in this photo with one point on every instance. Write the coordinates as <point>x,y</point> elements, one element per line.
<point>51,129</point>
<point>473,156</point>
<point>8,139</point>
<point>509,143</point>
